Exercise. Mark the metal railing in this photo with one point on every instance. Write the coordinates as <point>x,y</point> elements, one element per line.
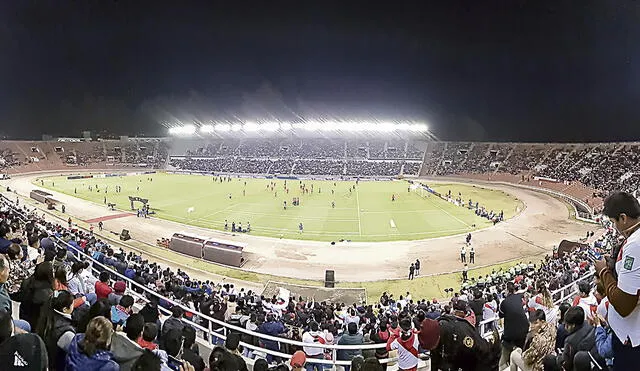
<point>564,292</point>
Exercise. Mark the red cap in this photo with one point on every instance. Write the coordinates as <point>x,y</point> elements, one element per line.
<point>429,335</point>
<point>298,359</point>
<point>120,286</point>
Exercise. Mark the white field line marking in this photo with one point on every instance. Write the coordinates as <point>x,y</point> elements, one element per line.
<point>358,206</point>
<point>448,213</point>
<point>392,223</point>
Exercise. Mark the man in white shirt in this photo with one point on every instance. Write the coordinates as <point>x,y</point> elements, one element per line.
<point>313,336</point>
<point>623,292</point>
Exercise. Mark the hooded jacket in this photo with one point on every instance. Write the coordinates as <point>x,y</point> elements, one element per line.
<point>33,294</point>
<point>125,351</point>
<point>171,323</point>
<point>77,360</point>
<point>271,328</point>
<point>582,338</point>
<point>23,352</point>
<point>348,339</point>
<point>61,325</point>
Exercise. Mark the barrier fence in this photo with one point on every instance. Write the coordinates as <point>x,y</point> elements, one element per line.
<point>214,337</point>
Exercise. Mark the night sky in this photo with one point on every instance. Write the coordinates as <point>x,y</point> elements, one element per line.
<point>473,70</point>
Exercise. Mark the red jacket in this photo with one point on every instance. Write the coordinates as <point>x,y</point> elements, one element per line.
<point>103,290</point>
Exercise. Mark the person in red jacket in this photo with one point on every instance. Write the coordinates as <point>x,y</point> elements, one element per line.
<point>102,286</point>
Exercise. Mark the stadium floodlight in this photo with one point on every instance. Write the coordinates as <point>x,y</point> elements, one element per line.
<point>236,127</point>
<point>330,126</point>
<point>223,127</point>
<point>285,126</point>
<point>206,129</point>
<point>183,130</point>
<point>270,126</point>
<point>313,126</point>
<point>403,127</point>
<point>386,127</point>
<point>419,127</point>
<point>250,126</point>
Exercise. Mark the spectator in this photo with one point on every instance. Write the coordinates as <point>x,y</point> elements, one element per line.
<point>120,313</point>
<point>124,345</point>
<point>18,348</point>
<point>543,339</point>
<point>273,328</point>
<point>119,289</point>
<point>148,361</point>
<point>351,337</point>
<point>623,210</point>
<point>56,328</point>
<point>34,293</point>
<point>581,338</point>
<point>149,335</point>
<point>561,333</point>
<point>20,270</point>
<point>90,351</point>
<point>298,361</point>
<point>102,286</point>
<point>172,323</point>
<point>5,300</point>
<point>150,311</point>
<point>313,336</point>
<point>585,299</point>
<point>604,339</point>
<point>372,364</point>
<point>407,346</point>
<point>99,308</point>
<point>190,351</point>
<point>516,324</point>
<point>221,360</point>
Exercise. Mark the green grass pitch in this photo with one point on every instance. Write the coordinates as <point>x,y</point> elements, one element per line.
<point>364,214</point>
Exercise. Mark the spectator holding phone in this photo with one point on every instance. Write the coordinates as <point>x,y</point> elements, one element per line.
<point>623,291</point>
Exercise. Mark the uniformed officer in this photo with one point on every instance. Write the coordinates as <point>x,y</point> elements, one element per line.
<point>456,345</point>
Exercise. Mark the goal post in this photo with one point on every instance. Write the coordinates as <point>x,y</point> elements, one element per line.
<point>419,190</point>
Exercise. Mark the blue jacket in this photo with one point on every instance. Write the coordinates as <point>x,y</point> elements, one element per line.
<point>604,344</point>
<point>274,329</point>
<point>77,360</point>
<point>130,273</point>
<point>118,317</point>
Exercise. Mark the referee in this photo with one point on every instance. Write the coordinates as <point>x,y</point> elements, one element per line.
<point>622,282</point>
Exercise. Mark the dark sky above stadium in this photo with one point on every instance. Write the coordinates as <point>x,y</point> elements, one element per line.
<point>480,70</point>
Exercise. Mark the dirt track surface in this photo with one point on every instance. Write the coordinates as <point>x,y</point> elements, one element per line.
<point>537,230</point>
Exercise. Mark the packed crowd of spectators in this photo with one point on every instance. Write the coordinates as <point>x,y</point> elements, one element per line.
<point>316,148</point>
<point>358,168</point>
<point>73,305</point>
<point>8,159</point>
<point>605,167</point>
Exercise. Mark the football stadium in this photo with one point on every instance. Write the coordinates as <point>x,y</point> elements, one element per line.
<point>319,186</point>
<point>331,218</point>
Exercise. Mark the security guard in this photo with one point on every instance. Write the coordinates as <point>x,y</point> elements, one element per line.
<point>456,345</point>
